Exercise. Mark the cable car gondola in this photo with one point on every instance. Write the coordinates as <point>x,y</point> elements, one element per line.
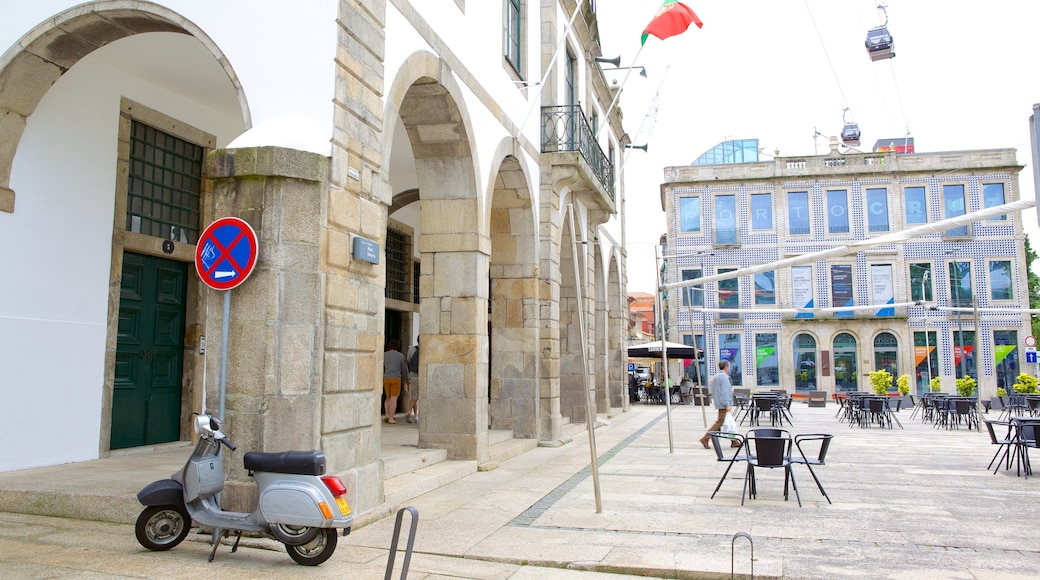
<point>850,134</point>
<point>879,43</point>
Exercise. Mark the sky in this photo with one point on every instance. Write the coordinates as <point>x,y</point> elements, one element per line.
<point>783,70</point>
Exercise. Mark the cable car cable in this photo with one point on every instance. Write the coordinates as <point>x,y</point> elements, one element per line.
<point>826,53</point>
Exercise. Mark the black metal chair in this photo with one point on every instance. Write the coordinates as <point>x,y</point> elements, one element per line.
<point>808,461</point>
<point>771,450</point>
<point>739,455</point>
<point>1003,444</point>
<point>963,410</point>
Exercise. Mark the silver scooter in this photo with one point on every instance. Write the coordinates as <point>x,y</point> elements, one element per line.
<point>298,505</point>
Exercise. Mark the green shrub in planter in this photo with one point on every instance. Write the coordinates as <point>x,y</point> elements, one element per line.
<point>935,384</point>
<point>880,381</point>
<point>1001,392</point>
<point>903,384</point>
<point>966,386</point>
<point>1026,384</point>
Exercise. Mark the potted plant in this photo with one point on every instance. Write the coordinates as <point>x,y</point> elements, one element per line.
<point>903,385</point>
<point>880,381</point>
<point>966,386</point>
<point>935,384</point>
<point>1001,392</point>
<point>1027,384</point>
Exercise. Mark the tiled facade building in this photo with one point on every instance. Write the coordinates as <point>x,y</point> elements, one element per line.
<point>784,329</point>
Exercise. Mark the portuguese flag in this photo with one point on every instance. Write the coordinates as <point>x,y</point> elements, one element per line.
<point>673,18</point>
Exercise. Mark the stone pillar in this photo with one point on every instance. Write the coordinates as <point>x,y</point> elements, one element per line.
<point>275,359</point>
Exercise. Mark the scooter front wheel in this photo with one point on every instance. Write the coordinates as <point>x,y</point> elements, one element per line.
<point>315,551</point>
<point>161,527</point>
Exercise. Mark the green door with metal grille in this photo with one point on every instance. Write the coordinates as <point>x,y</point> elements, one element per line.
<point>146,398</point>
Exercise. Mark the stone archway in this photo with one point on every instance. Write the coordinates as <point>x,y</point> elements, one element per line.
<point>513,380</point>
<point>455,256</point>
<point>43,55</point>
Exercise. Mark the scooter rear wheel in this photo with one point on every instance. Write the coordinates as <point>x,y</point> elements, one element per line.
<point>161,527</point>
<point>317,550</point>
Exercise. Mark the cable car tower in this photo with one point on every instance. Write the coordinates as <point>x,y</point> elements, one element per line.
<point>879,43</point>
<point>850,131</point>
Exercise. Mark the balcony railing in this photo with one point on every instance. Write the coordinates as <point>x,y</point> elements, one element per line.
<point>565,128</point>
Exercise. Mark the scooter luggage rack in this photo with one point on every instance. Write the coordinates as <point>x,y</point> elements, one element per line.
<point>397,537</point>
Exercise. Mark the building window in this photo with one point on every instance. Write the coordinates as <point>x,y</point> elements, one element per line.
<point>964,342</point>
<point>767,371</point>
<point>882,289</point>
<point>729,294</point>
<point>886,355</point>
<point>926,355</point>
<point>877,210</point>
<point>762,211</point>
<point>398,249</point>
<point>729,349</point>
<point>164,185</point>
<point>846,377</point>
<point>693,295</point>
<point>694,368</point>
<point>765,289</point>
<point>837,211</point>
<point>802,289</point>
<point>725,220</point>
<point>1005,354</point>
<point>798,213</point>
<point>570,80</point>
<point>992,196</point>
<point>960,284</point>
<point>916,205</point>
<point>954,205</point>
<point>841,289</point>
<point>1000,280</point>
<point>921,282</point>
<point>804,363</point>
<point>514,34</point>
<point>689,214</point>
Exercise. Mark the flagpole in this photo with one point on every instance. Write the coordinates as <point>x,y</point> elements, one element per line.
<point>552,62</point>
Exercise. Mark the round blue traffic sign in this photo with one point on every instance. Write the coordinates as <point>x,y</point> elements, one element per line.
<point>226,253</point>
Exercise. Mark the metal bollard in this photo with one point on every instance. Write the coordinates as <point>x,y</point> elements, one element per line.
<point>732,544</point>
<point>397,537</point>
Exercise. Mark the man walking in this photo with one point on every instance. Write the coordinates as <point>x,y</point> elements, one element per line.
<point>722,392</point>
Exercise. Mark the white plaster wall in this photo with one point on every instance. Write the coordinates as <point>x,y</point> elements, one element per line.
<point>282,52</point>
<point>55,250</point>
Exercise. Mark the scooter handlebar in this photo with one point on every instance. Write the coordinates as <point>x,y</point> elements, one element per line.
<point>227,443</point>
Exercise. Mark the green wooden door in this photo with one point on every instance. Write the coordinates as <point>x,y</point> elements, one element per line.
<point>146,398</point>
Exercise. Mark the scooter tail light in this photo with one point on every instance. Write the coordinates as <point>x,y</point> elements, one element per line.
<point>335,485</point>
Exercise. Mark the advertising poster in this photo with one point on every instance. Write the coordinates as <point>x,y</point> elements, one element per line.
<point>841,289</point>
<point>881,288</point>
<point>801,289</point>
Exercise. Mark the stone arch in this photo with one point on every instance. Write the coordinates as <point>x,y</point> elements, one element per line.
<point>44,54</point>
<point>617,318</point>
<point>513,328</point>
<point>455,255</point>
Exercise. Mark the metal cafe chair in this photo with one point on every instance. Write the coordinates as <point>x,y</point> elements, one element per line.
<point>739,455</point>
<point>1003,444</point>
<point>771,450</point>
<point>818,459</point>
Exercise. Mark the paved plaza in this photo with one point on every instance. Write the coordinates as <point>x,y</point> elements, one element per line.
<point>913,503</point>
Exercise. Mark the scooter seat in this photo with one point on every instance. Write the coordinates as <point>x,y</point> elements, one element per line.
<point>295,462</point>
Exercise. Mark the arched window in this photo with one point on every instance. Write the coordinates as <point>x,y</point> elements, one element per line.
<point>804,363</point>
<point>886,355</point>
<point>845,370</point>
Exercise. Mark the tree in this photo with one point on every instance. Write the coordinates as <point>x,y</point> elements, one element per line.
<point>1033,280</point>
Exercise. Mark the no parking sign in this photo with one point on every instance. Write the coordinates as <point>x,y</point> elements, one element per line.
<point>226,253</point>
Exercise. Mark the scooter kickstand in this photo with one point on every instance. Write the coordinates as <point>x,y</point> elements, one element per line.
<point>217,534</point>
<point>238,538</point>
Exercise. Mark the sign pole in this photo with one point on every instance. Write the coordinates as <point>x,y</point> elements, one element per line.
<point>224,330</point>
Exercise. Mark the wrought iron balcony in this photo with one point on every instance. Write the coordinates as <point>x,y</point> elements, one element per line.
<point>565,128</point>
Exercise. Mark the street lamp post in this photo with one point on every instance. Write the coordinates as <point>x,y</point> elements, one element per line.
<point>927,346</point>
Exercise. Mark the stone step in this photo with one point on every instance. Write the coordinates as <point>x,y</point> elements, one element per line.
<point>510,448</point>
<point>400,463</point>
<point>496,436</point>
